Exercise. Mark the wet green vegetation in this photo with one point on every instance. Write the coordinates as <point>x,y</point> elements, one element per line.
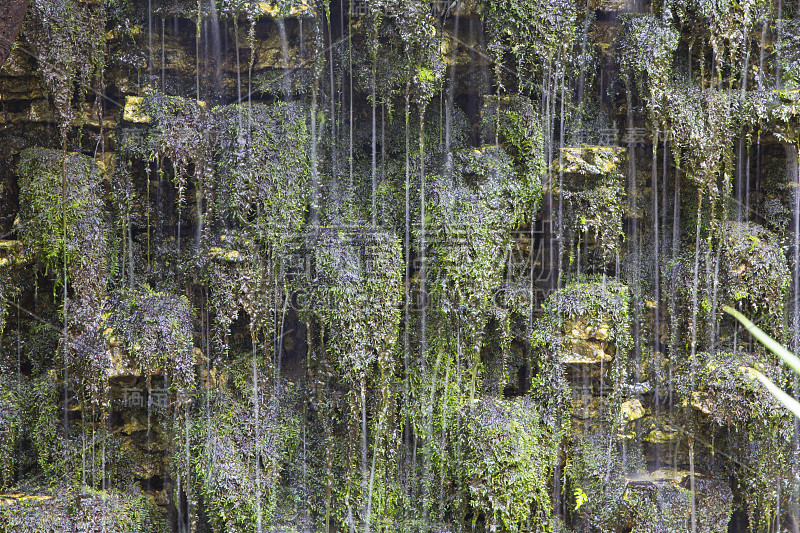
<point>393,265</point>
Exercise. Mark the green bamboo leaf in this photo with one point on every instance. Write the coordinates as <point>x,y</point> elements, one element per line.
<point>790,403</point>
<point>765,339</point>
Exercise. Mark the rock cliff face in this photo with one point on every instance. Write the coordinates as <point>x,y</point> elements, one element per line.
<point>10,25</point>
<point>397,265</point>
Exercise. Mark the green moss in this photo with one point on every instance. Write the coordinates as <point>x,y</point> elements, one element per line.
<point>69,40</point>
<point>9,432</point>
<point>6,291</point>
<point>516,125</point>
<point>599,227</point>
<point>702,131</point>
<point>238,456</point>
<point>41,417</point>
<point>586,165</point>
<point>648,50</point>
<point>722,24</point>
<point>181,132</point>
<point>263,173</point>
<point>89,453</point>
<point>244,283</point>
<point>756,274</point>
<point>507,454</point>
<point>724,392</point>
<point>87,510</point>
<point>536,34</point>
<point>784,113</point>
<point>355,299</point>
<point>156,331</point>
<point>468,248</point>
<point>586,326</point>
<point>658,505</point>
<point>44,213</point>
<point>699,118</point>
<point>596,468</point>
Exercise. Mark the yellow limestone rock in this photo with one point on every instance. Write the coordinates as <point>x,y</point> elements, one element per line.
<point>133,424</point>
<point>631,410</point>
<point>579,351</point>
<point>702,402</point>
<point>133,110</point>
<point>225,254</point>
<point>6,499</point>
<point>667,474</point>
<point>643,480</point>
<point>11,254</point>
<point>580,329</point>
<point>302,10</point>
<point>661,436</point>
<point>590,160</point>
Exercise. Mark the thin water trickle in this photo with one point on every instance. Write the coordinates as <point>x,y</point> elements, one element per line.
<point>213,26</point>
<point>287,75</point>
<point>256,440</point>
<point>374,150</point>
<point>163,57</point>
<point>351,190</point>
<point>150,41</point>
<point>656,259</point>
<point>635,282</point>
<point>408,272</point>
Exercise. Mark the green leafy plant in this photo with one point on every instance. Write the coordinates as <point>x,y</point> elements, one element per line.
<point>508,450</point>
<point>580,498</point>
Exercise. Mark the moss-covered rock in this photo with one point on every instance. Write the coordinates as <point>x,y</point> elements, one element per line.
<point>660,505</point>
<point>508,452</point>
<point>61,209</point>
<point>726,393</point>
<point>241,445</point>
<point>587,323</point>
<point>591,191</point>
<point>84,510</point>
<point>155,331</point>
<point>756,274</point>
<point>591,163</point>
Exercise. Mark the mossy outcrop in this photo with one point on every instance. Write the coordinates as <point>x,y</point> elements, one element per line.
<point>393,265</point>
